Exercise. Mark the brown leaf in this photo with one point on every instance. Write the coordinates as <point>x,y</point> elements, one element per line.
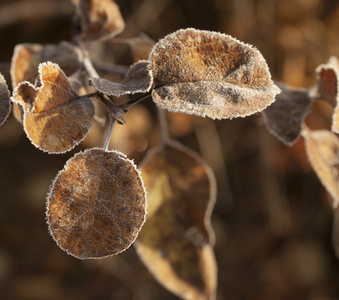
<point>5,100</point>
<point>99,19</point>
<point>137,80</point>
<point>27,57</point>
<point>322,149</point>
<point>284,117</point>
<point>177,239</point>
<point>55,118</point>
<point>210,74</point>
<point>97,204</point>
<point>327,81</point>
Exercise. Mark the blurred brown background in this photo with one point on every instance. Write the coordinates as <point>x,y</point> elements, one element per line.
<point>273,219</point>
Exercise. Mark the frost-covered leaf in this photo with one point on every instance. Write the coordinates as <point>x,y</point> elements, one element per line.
<point>97,204</point>
<point>284,117</point>
<point>137,80</point>
<point>322,149</point>
<point>177,239</point>
<point>55,118</point>
<point>99,19</point>
<point>5,100</point>
<point>327,81</point>
<point>327,87</point>
<point>27,57</point>
<point>210,74</point>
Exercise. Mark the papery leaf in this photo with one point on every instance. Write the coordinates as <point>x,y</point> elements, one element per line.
<point>327,87</point>
<point>97,204</point>
<point>27,57</point>
<point>5,100</point>
<point>99,19</point>
<point>141,46</point>
<point>137,80</point>
<point>284,117</point>
<point>322,149</point>
<point>210,74</point>
<point>55,118</point>
<point>327,81</point>
<point>177,239</point>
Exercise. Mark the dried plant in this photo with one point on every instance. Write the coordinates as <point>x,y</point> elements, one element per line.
<point>96,206</point>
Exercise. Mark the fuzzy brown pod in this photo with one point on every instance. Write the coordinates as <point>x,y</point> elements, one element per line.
<point>322,148</point>
<point>96,205</point>
<point>99,19</point>
<point>55,118</point>
<point>137,80</point>
<point>210,74</point>
<point>27,57</point>
<point>5,100</point>
<point>176,242</point>
<point>284,117</point>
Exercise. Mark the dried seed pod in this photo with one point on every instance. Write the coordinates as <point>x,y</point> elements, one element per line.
<point>177,239</point>
<point>285,116</point>
<point>210,74</point>
<point>55,118</point>
<point>97,204</point>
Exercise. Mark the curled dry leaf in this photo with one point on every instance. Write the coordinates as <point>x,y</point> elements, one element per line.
<point>27,57</point>
<point>55,118</point>
<point>177,239</point>
<point>322,149</point>
<point>327,81</point>
<point>99,19</point>
<point>137,80</point>
<point>210,74</point>
<point>284,117</point>
<point>97,204</point>
<point>5,100</point>
<point>327,87</point>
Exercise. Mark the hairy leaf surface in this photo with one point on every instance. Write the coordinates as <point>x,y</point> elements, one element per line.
<point>97,204</point>
<point>285,116</point>
<point>27,57</point>
<point>137,80</point>
<point>5,100</point>
<point>55,118</point>
<point>177,239</point>
<point>210,74</point>
<point>99,19</point>
<point>322,149</point>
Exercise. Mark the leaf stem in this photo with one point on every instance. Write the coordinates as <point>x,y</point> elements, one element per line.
<point>163,125</point>
<point>132,102</point>
<point>109,133</point>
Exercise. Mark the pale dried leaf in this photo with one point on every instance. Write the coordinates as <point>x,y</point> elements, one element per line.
<point>100,19</point>
<point>210,74</point>
<point>97,204</point>
<point>177,239</point>
<point>327,81</point>
<point>55,118</point>
<point>27,57</point>
<point>5,100</point>
<point>137,80</point>
<point>285,116</point>
<point>322,149</point>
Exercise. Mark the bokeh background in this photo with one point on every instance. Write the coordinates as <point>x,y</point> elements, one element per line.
<point>273,219</point>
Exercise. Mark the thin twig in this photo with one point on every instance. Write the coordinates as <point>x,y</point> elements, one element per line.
<point>132,102</point>
<point>163,125</point>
